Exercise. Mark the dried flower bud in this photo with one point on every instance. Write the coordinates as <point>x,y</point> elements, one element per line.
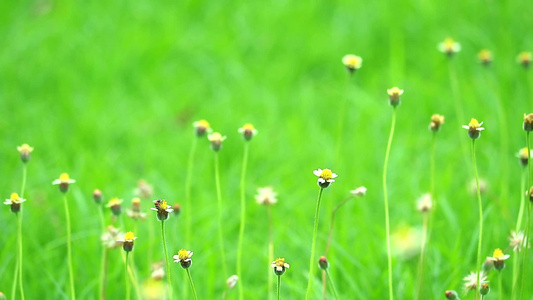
<point>394,96</point>
<point>97,196</point>
<point>25,152</point>
<point>323,263</point>
<point>177,208</point>
<point>485,57</point>
<point>202,127</point>
<point>452,295</point>
<point>528,122</point>
<point>484,289</point>
<point>435,123</point>
<point>216,140</point>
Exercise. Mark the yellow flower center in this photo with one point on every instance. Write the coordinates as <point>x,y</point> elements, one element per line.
<point>474,124</point>
<point>352,61</point>
<point>64,177</point>
<point>528,118</point>
<point>135,200</point>
<point>129,236</point>
<point>449,42</point>
<point>524,56</point>
<point>523,153</point>
<point>163,204</point>
<point>280,262</point>
<point>25,148</point>
<point>114,201</point>
<point>326,174</point>
<point>216,137</point>
<point>395,91</point>
<point>15,197</point>
<point>203,123</point>
<point>248,127</point>
<point>498,254</point>
<point>183,254</point>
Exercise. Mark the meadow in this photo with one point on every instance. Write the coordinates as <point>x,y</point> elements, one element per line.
<point>108,92</point>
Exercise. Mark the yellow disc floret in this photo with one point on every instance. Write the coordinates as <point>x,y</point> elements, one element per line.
<point>248,126</point>
<point>203,123</point>
<point>183,254</point>
<point>14,197</point>
<point>326,174</point>
<point>474,123</point>
<point>498,254</point>
<point>64,177</point>
<point>129,236</point>
<point>163,205</point>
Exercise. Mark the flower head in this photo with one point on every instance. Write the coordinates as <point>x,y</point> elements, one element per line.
<point>25,151</point>
<point>116,206</point>
<point>97,196</point>
<point>352,62</point>
<point>266,196</point>
<point>323,263</point>
<point>524,58</point>
<point>64,181</point>
<point>394,96</point>
<point>523,156</point>
<point>474,129</point>
<point>110,237</point>
<point>279,266</point>
<point>232,281</point>
<point>216,140</point>
<point>127,241</point>
<point>15,201</point>
<point>248,131</point>
<point>144,190</point>
<point>471,280</point>
<point>162,208</point>
<point>424,204</point>
<point>484,289</point>
<point>498,258</point>
<point>528,122</point>
<point>449,46</point>
<point>485,57</point>
<point>135,211</point>
<point>325,177</point>
<point>359,192</point>
<point>516,240</point>
<point>202,127</point>
<point>451,295</point>
<point>184,258</point>
<point>435,123</point>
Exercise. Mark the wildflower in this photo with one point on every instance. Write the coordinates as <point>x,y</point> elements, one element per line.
<point>485,57</point>
<point>325,177</point>
<point>266,196</point>
<point>127,241</point>
<point>158,274</point>
<point>184,258</point>
<point>499,259</point>
<point>110,237</point>
<point>522,154</point>
<point>524,58</point>
<point>144,190</point>
<point>135,211</point>
<point>394,96</point>
<point>424,204</point>
<point>25,151</point>
<point>279,266</point>
<point>352,62</point>
<point>474,129</point>
<point>452,295</point>
<point>323,263</point>
<point>116,206</point>
<point>528,122</point>
<point>449,46</point>
<point>15,202</point>
<point>97,196</point>
<point>64,181</point>
<point>202,127</point>
<point>484,289</point>
<point>471,280</point>
<point>248,131</point>
<point>162,208</point>
<point>216,140</point>
<point>516,240</point>
<point>232,281</point>
<point>359,192</point>
<point>436,121</point>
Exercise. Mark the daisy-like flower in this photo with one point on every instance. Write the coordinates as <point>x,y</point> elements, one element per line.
<point>325,177</point>
<point>25,151</point>
<point>64,181</point>
<point>516,240</point>
<point>279,265</point>
<point>485,57</point>
<point>471,280</point>
<point>216,140</point>
<point>232,281</point>
<point>424,203</point>
<point>394,96</point>
<point>524,58</point>
<point>97,196</point>
<point>435,123</point>
<point>528,122</point>
<point>449,46</point>
<point>116,206</point>
<point>248,131</point>
<point>144,190</point>
<point>359,192</point>
<point>110,237</point>
<point>498,258</point>
<point>266,196</point>
<point>15,202</point>
<point>323,263</point>
<point>522,155</point>
<point>135,211</point>
<point>162,208</point>
<point>183,258</point>
<point>127,241</point>
<point>474,129</point>
<point>202,127</point>
<point>352,62</point>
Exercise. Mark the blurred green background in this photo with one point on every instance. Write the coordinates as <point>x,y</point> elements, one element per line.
<point>108,91</point>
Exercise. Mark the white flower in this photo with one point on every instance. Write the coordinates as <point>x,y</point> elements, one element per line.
<point>424,204</point>
<point>232,281</point>
<point>359,192</point>
<point>516,240</point>
<point>325,177</point>
<point>266,196</point>
<point>471,280</point>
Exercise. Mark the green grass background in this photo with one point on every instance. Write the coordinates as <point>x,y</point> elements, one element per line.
<point>108,90</point>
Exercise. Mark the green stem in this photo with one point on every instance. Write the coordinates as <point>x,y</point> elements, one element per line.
<point>500,292</point>
<point>480,206</point>
<point>127,281</point>
<point>166,259</point>
<point>385,197</point>
<point>528,224</point>
<point>15,280</point>
<point>312,259</point>
<point>517,230</point>
<point>188,180</point>
<point>243,219</point>
<point>104,256</point>
<point>69,248</point>
<point>332,222</point>
<point>279,285</point>
<point>422,251</point>
<point>332,285</point>
<point>192,284</point>
<point>342,113</point>
<point>220,234</point>
<point>324,285</point>
<point>270,249</point>
<point>24,175</point>
<point>432,167</point>
<point>131,275</point>
<point>19,221</point>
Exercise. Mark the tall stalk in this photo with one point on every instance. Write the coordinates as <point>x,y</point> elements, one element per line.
<point>166,259</point>
<point>188,180</point>
<point>270,249</point>
<point>69,248</point>
<point>528,224</point>
<point>312,260</point>
<point>220,233</point>
<point>480,207</point>
<point>243,219</point>
<point>192,284</point>
<point>517,229</point>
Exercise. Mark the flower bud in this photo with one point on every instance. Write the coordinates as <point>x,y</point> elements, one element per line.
<point>25,152</point>
<point>452,295</point>
<point>394,96</point>
<point>435,123</point>
<point>528,122</point>
<point>484,289</point>
<point>323,263</point>
<point>97,196</point>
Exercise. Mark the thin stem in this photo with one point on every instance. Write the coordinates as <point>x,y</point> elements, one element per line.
<point>103,280</point>
<point>312,259</point>
<point>24,175</point>
<point>528,224</point>
<point>188,180</point>
<point>324,285</point>
<point>15,280</point>
<point>103,263</point>
<point>333,214</point>
<point>69,248</point>
<point>166,260</point>
<point>432,167</point>
<point>385,197</point>
<point>279,285</point>
<point>480,206</point>
<point>192,284</point>
<point>332,286</point>
<point>220,233</point>
<point>342,112</point>
<point>131,275</point>
<point>517,230</point>
<point>270,249</point>
<point>243,218</point>
<point>19,223</point>
<point>127,281</point>
<point>500,292</point>
<point>422,251</point>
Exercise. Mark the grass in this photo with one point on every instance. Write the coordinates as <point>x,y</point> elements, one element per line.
<point>108,91</point>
